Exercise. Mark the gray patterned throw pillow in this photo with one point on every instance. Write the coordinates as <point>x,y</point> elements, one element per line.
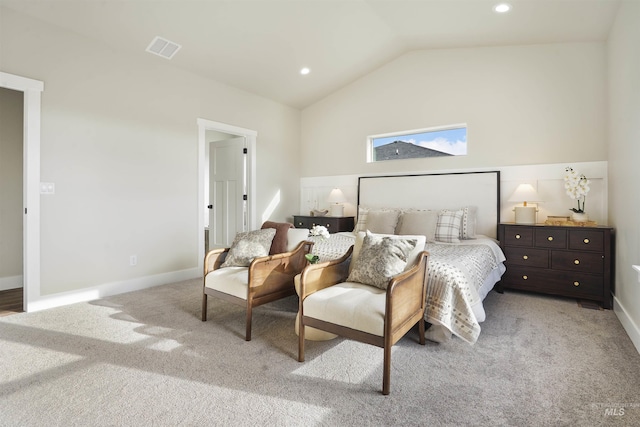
<point>380,259</point>
<point>249,245</point>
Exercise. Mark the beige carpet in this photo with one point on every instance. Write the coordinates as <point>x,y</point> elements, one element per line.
<point>146,359</point>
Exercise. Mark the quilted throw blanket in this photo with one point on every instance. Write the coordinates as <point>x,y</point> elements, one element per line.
<point>456,273</point>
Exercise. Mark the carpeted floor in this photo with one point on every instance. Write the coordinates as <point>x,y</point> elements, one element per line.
<point>145,358</point>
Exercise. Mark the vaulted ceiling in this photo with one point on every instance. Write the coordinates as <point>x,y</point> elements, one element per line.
<point>261,45</point>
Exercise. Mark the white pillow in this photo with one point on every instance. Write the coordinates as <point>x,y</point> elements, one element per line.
<point>377,220</point>
<point>448,228</point>
<point>381,258</point>
<point>418,222</point>
<point>468,224</point>
<point>295,236</point>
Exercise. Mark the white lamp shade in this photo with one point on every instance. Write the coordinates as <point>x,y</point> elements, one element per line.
<point>525,193</point>
<point>336,196</point>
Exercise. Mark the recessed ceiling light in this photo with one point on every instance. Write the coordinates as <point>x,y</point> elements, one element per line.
<point>305,71</point>
<point>502,8</point>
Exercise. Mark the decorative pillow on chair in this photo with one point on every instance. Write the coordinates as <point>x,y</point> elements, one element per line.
<point>448,228</point>
<point>249,245</point>
<point>379,259</point>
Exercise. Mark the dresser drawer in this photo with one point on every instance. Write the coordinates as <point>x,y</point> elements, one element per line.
<point>565,283</point>
<point>518,236</point>
<point>527,256</point>
<point>586,240</point>
<point>333,224</point>
<point>584,262</point>
<point>552,238</point>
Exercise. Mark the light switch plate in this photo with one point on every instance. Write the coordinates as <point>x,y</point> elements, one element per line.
<point>47,188</point>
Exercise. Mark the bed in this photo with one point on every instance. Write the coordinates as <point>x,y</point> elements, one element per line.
<point>465,261</point>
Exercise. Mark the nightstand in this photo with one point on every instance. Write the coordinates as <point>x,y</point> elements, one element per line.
<point>574,262</point>
<point>333,223</point>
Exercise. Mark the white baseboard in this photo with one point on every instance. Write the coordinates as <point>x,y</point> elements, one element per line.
<point>12,282</point>
<point>627,323</point>
<point>107,289</point>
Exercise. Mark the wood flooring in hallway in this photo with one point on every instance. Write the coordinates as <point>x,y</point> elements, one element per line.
<point>10,302</point>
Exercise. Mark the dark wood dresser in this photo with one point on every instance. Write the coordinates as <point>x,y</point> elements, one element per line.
<point>574,262</point>
<point>333,223</point>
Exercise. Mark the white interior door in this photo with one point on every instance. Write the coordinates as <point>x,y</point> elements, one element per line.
<point>227,188</point>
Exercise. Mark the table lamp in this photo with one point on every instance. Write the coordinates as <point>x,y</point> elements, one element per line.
<point>336,200</point>
<point>525,193</point>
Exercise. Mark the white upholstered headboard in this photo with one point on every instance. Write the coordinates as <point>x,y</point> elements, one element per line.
<point>437,191</point>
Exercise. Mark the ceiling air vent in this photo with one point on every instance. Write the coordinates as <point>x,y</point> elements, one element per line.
<point>163,47</point>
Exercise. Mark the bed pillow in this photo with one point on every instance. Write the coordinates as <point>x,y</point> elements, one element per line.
<point>249,245</point>
<point>380,258</point>
<point>468,223</point>
<point>448,228</point>
<point>381,220</point>
<point>420,222</point>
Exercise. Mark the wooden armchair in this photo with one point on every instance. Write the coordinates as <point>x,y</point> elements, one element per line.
<point>362,312</point>
<point>266,279</point>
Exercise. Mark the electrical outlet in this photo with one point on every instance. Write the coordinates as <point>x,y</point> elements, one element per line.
<point>133,260</point>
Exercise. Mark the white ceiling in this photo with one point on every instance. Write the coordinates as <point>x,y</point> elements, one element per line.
<point>260,45</point>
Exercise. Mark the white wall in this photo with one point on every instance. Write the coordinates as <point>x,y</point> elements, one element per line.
<point>120,142</point>
<point>522,105</point>
<point>624,154</point>
<point>11,105</point>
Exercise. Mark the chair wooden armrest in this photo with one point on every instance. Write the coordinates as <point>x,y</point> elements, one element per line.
<point>214,259</point>
<point>319,276</point>
<point>406,299</point>
<point>271,268</point>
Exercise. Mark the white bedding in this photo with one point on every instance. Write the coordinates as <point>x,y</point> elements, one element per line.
<point>460,277</point>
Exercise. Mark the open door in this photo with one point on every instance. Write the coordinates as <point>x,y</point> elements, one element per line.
<point>227,191</point>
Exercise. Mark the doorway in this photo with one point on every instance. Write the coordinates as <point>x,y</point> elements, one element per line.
<point>32,90</point>
<point>244,214</point>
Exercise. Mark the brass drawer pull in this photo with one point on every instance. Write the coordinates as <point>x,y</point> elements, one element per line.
<point>576,262</point>
<point>525,277</point>
<point>576,283</point>
<point>586,241</point>
<point>517,236</point>
<point>328,225</point>
<point>525,257</point>
<point>550,238</point>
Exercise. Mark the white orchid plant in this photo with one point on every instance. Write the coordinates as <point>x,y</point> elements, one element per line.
<point>577,187</point>
<point>319,230</point>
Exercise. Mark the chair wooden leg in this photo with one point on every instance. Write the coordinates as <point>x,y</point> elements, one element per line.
<point>300,340</point>
<point>248,330</point>
<point>421,331</point>
<point>386,370</point>
<point>204,307</point>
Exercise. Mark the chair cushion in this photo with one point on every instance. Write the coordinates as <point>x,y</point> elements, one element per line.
<point>230,280</point>
<point>380,258</point>
<point>249,245</point>
<point>349,304</point>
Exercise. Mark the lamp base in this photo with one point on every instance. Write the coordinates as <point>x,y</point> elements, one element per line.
<point>525,214</point>
<point>336,210</point>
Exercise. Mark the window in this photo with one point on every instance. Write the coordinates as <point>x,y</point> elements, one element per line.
<point>432,142</point>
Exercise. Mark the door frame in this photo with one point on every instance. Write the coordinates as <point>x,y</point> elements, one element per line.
<point>32,90</point>
<point>250,138</point>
